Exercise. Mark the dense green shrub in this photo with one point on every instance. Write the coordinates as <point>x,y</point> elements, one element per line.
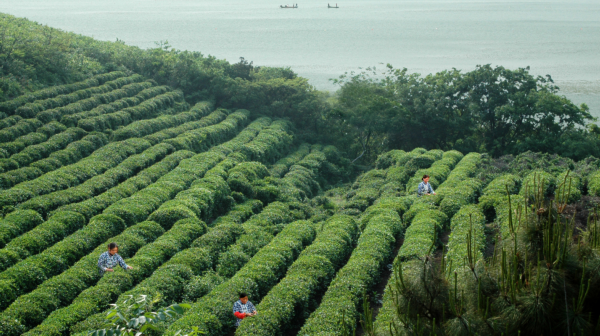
<point>29,273</point>
<point>594,184</point>
<point>211,119</point>
<point>113,284</point>
<point>31,309</point>
<point>263,271</point>
<point>96,100</point>
<point>9,121</point>
<point>32,109</point>
<point>16,223</point>
<point>469,221</point>
<point>71,154</point>
<point>57,142</point>
<point>51,92</point>
<point>41,237</point>
<point>71,120</point>
<point>22,127</point>
<point>100,183</point>
<point>281,167</point>
<point>538,182</point>
<point>145,110</point>
<point>40,135</point>
<point>69,176</point>
<point>142,128</point>
<point>97,204</point>
<point>343,300</point>
<point>496,193</point>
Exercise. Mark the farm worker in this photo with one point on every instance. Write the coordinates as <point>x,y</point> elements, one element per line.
<point>242,309</point>
<point>425,187</point>
<point>110,259</point>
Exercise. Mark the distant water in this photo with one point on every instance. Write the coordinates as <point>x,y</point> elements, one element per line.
<point>560,38</point>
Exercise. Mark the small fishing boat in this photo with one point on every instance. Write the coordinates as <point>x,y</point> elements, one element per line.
<point>329,6</point>
<point>288,6</point>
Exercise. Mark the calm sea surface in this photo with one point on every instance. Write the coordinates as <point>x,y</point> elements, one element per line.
<point>560,38</point>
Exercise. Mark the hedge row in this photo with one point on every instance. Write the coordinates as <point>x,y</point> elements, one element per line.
<point>10,106</point>
<point>460,188</point>
<point>342,303</point>
<point>594,184</point>
<point>71,120</point>
<point>212,314</point>
<point>172,132</point>
<point>224,233</point>
<point>69,176</point>
<point>140,205</point>
<point>391,182</point>
<point>199,140</point>
<point>468,220</point>
<point>438,172</point>
<point>22,127</point>
<point>74,152</point>
<point>127,211</point>
<point>108,288</point>
<point>423,216</point>
<point>496,193</point>
<point>40,135</point>
<point>398,157</point>
<point>100,183</point>
<point>9,121</point>
<point>568,187</point>
<point>300,182</point>
<point>97,204</point>
<point>142,128</point>
<point>31,309</point>
<point>96,100</point>
<point>30,110</point>
<point>166,283</point>
<point>281,167</point>
<point>196,201</point>
<point>424,219</point>
<point>17,222</point>
<point>40,236</point>
<point>145,110</point>
<point>43,150</point>
<point>26,275</point>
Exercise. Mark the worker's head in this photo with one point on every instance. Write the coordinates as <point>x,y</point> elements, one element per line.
<point>113,248</point>
<point>425,178</point>
<point>243,298</point>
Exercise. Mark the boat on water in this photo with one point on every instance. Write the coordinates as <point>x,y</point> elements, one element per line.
<point>288,6</point>
<point>329,6</point>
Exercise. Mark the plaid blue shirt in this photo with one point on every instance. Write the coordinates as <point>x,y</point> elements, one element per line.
<point>107,261</point>
<point>424,188</point>
<point>239,307</point>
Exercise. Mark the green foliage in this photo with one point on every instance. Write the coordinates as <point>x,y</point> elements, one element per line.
<point>40,237</point>
<point>467,238</point>
<point>134,318</point>
<point>594,184</point>
<point>489,109</point>
<point>265,269</point>
<point>344,296</point>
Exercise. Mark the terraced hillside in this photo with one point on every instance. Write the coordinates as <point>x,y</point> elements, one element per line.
<point>206,203</point>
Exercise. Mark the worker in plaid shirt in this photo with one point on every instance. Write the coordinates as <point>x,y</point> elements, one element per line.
<point>242,309</point>
<point>424,187</point>
<point>110,259</point>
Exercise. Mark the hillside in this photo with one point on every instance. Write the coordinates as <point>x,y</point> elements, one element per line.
<point>225,186</point>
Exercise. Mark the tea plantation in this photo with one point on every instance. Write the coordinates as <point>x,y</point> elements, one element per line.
<point>206,203</point>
